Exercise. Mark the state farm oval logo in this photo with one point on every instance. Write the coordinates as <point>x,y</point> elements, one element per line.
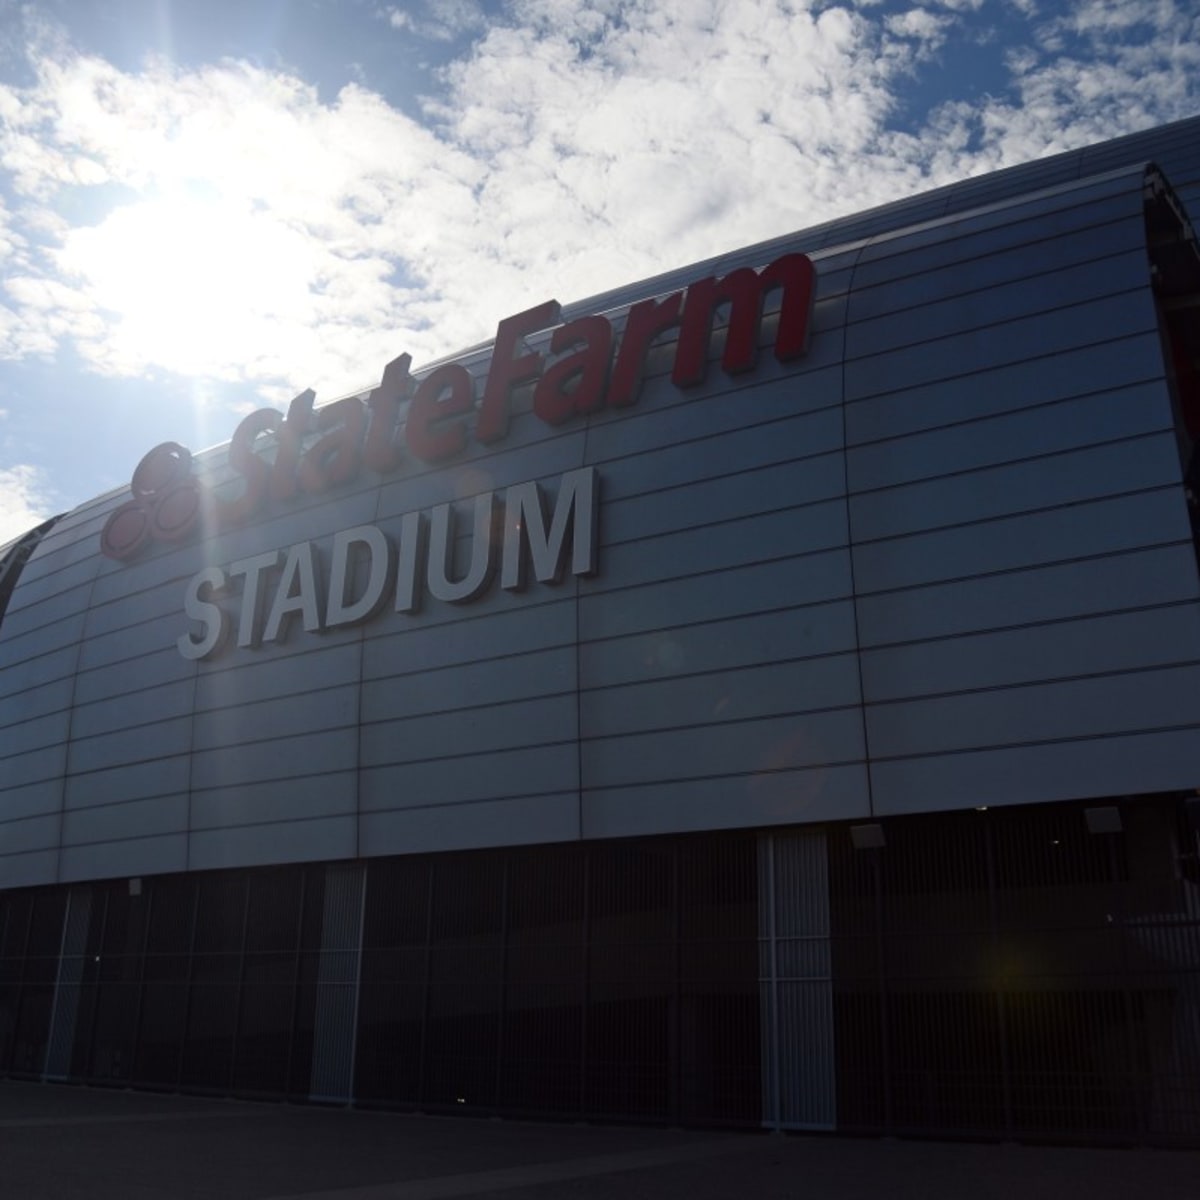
<point>166,505</point>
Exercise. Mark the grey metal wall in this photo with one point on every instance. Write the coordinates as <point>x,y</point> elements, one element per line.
<point>943,561</point>
<point>1022,557</point>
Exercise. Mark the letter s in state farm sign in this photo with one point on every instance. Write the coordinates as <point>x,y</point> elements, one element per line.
<point>588,368</point>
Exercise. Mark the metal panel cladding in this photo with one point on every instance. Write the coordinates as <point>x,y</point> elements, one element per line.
<point>941,559</point>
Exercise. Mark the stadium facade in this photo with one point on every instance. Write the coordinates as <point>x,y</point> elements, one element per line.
<point>766,695</point>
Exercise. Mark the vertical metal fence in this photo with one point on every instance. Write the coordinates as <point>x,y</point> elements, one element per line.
<point>613,980</point>
<point>1019,973</point>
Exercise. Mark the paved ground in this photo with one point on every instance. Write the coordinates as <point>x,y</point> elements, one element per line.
<point>64,1143</point>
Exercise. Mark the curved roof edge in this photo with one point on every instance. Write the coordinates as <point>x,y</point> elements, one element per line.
<point>15,555</point>
<point>954,199</point>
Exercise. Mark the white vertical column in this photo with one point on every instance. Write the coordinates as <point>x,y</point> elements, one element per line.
<point>796,982</point>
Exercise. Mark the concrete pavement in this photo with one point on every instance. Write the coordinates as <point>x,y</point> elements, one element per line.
<point>68,1143</point>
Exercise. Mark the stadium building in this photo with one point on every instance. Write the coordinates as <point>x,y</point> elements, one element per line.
<point>766,695</point>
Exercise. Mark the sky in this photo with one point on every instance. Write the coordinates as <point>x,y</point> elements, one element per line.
<point>207,206</point>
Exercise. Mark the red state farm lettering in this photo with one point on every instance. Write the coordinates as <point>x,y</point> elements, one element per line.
<point>588,368</point>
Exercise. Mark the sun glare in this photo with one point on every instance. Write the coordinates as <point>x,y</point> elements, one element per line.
<point>195,280</point>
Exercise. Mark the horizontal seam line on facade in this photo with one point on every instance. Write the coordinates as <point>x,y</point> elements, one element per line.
<point>709,480</point>
<point>596,593</point>
<point>187,829</point>
<point>1074,196</point>
<point>778,509</point>
<point>963,212</point>
<point>715,672</point>
<point>753,614</point>
<point>911,396</point>
<point>701,726</point>
<point>376,764</point>
<point>35,597</point>
<point>128,838</point>
<point>1064,740</point>
<point>982,323</point>
<point>505,702</point>
<point>184,788</point>
<point>719,776</point>
<point>1084,232</point>
<point>1039,223</point>
<point>718,434</point>
<point>944,206</point>
<point>481,706</point>
<point>79,614</point>
<point>434,805</point>
<point>999,467</point>
<point>531,602</point>
<point>1000,630</point>
<point>185,753</point>
<point>1005,414</point>
<point>1116,552</point>
<point>1041,682</point>
<point>156,796</point>
<point>58,647</point>
<point>988,368</point>
<point>1013,514</point>
<point>1021,514</point>
<point>602,640</point>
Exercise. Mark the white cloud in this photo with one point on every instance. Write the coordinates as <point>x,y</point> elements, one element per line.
<point>258,230</point>
<point>24,501</point>
<point>1079,83</point>
<point>1117,16</point>
<point>242,228</point>
<point>919,23</point>
<point>442,20</point>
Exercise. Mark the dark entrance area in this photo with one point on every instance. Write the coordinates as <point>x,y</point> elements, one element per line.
<point>1023,973</point>
<point>617,980</point>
